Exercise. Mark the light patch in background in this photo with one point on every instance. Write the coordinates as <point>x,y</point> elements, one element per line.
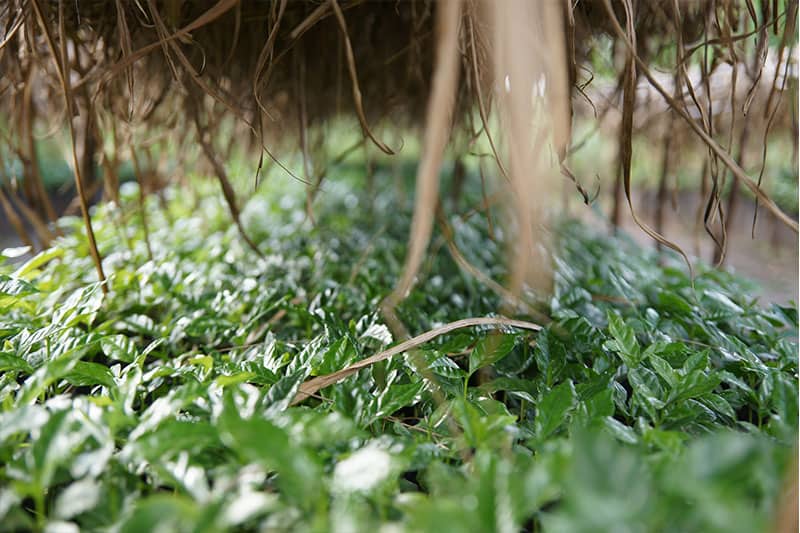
<point>363,471</point>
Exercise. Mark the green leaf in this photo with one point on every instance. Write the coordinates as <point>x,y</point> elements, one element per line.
<point>600,405</point>
<point>696,362</point>
<point>48,374</point>
<point>23,419</point>
<point>86,374</point>
<point>469,418</point>
<point>81,496</point>
<point>283,391</point>
<point>647,389</point>
<point>259,440</point>
<point>119,348</point>
<point>552,410</point>
<point>551,357</point>
<point>49,450</point>
<point>520,388</point>
<point>15,287</point>
<point>163,512</point>
<point>80,307</point>
<point>694,384</point>
<point>395,397</point>
<point>620,431</point>
<point>665,370</point>
<point>674,303</point>
<point>669,441</point>
<point>36,261</point>
<point>624,340</point>
<point>489,350</point>
<point>337,356</point>
<point>174,436</point>
<point>720,405</point>
<point>15,251</point>
<point>444,366</point>
<point>9,361</point>
<point>234,379</point>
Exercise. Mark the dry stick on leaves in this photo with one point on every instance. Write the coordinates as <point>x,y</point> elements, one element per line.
<point>213,13</point>
<point>21,17</point>
<point>567,173</point>
<point>572,63</point>
<point>312,386</point>
<point>734,58</point>
<point>264,59</point>
<point>237,26</point>
<point>733,194</point>
<point>509,31</point>
<point>61,66</point>
<point>319,14</point>
<point>702,44</point>
<point>711,143</point>
<point>698,216</point>
<point>485,203</point>
<point>719,253</point>
<point>319,176</point>
<point>556,80</point>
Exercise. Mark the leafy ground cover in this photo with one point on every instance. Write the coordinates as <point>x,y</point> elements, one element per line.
<point>647,404</point>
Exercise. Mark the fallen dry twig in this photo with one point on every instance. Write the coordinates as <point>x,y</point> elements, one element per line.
<point>313,385</point>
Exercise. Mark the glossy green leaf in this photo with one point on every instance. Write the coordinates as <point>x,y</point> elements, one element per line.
<point>624,340</point>
<point>259,440</point>
<point>489,350</point>
<point>552,410</point>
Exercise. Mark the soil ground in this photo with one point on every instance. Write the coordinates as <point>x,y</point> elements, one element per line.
<point>771,259</point>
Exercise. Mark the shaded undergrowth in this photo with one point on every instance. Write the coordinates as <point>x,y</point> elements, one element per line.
<point>648,404</point>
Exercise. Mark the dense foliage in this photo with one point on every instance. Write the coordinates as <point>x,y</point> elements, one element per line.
<point>648,404</point>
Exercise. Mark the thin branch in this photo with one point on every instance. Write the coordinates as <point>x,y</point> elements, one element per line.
<point>311,386</point>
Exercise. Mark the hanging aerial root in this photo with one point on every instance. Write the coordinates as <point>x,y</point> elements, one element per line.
<point>720,152</point>
<point>62,65</point>
<point>351,68</point>
<point>437,127</point>
<point>532,93</point>
<point>224,182</point>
